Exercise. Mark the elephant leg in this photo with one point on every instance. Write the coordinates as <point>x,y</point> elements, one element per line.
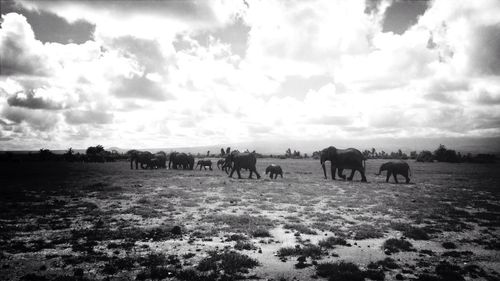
<point>255,171</point>
<point>352,175</point>
<point>239,172</point>
<point>281,174</point>
<point>210,168</point>
<point>388,176</point>
<point>340,173</point>
<point>362,172</point>
<point>271,175</point>
<point>250,176</point>
<point>395,176</point>
<point>276,176</point>
<point>332,168</point>
<point>136,165</point>
<point>231,174</point>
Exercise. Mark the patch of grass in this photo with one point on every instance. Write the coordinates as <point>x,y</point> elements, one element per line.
<point>244,245</point>
<point>448,271</point>
<point>230,261</point>
<point>144,211</point>
<point>312,251</point>
<point>449,245</point>
<point>237,237</point>
<point>330,242</point>
<point>457,254</point>
<point>300,228</point>
<point>340,271</point>
<point>373,274</point>
<point>396,245</point>
<point>240,223</point>
<point>385,264</point>
<point>416,233</point>
<point>366,231</point>
<point>260,232</point>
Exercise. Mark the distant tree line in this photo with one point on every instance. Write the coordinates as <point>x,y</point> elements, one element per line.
<point>92,154</point>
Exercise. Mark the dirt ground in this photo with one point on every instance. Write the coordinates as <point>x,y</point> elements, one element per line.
<point>103,221</point>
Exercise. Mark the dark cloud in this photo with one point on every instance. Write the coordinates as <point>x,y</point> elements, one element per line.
<point>197,11</point>
<point>77,117</point>
<point>402,14</point>
<point>49,27</point>
<point>36,119</point>
<point>148,53</point>
<point>487,98</point>
<point>485,56</point>
<point>29,100</point>
<point>444,90</point>
<point>138,87</point>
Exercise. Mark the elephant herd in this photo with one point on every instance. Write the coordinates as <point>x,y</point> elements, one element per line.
<point>340,159</point>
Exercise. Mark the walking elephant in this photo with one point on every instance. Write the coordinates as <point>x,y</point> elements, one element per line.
<point>140,157</point>
<point>177,160</point>
<point>340,159</point>
<point>240,161</point>
<point>274,170</point>
<point>394,168</point>
<point>204,164</point>
<point>220,163</point>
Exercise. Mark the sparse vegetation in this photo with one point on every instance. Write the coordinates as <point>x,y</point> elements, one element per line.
<point>396,245</point>
<point>340,271</point>
<point>330,242</point>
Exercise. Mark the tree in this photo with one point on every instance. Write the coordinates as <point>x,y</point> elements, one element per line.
<point>228,150</point>
<point>288,153</point>
<point>222,152</point>
<point>374,152</point>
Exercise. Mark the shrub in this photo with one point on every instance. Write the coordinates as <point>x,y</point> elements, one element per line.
<point>395,245</point>
<point>340,271</point>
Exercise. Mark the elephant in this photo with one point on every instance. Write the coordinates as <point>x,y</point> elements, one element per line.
<point>159,160</point>
<point>181,159</point>
<point>394,168</point>
<point>340,159</point>
<point>190,160</point>
<point>220,163</point>
<point>240,161</point>
<point>274,170</point>
<point>140,157</point>
<point>204,164</point>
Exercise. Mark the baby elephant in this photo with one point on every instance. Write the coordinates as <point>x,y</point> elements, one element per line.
<point>395,168</point>
<point>274,170</point>
<point>204,164</point>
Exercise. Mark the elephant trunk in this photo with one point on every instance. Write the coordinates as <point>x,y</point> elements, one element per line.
<point>380,171</point>
<point>324,168</point>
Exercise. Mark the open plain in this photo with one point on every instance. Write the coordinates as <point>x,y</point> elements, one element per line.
<point>103,221</point>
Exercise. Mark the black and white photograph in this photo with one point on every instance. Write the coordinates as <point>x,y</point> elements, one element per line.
<point>266,140</point>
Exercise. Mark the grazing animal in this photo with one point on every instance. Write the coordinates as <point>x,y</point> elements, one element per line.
<point>204,164</point>
<point>220,163</point>
<point>394,168</point>
<point>140,157</point>
<point>274,170</point>
<point>242,161</point>
<point>181,160</point>
<point>340,159</point>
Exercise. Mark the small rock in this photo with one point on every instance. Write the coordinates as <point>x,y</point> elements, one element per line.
<point>43,267</point>
<point>387,252</point>
<point>260,251</point>
<point>399,276</point>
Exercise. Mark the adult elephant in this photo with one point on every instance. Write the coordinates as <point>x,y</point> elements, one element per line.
<point>190,160</point>
<point>158,160</point>
<point>242,161</point>
<point>340,159</point>
<point>142,158</point>
<point>394,168</point>
<point>177,160</point>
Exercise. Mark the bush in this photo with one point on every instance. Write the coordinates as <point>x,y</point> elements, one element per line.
<point>395,245</point>
<point>340,271</point>
<point>425,156</point>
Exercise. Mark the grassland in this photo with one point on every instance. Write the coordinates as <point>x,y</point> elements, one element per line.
<point>103,221</point>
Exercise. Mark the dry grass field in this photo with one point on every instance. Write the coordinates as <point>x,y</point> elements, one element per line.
<point>83,221</point>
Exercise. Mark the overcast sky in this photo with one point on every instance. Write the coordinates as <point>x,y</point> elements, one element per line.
<point>138,74</point>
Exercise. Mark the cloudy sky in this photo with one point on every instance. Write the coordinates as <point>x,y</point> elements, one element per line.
<point>138,74</point>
